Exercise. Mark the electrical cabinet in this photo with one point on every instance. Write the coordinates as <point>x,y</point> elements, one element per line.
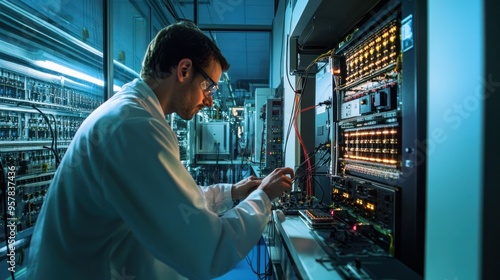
<point>377,119</point>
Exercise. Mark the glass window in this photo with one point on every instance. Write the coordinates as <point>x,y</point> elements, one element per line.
<point>51,79</point>
<point>131,35</point>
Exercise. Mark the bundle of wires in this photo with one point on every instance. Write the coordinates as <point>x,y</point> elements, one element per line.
<point>295,116</point>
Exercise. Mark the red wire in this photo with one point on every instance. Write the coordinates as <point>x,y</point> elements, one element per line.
<point>308,108</point>
<point>304,149</point>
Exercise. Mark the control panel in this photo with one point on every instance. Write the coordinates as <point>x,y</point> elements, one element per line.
<point>366,192</point>
<point>272,151</point>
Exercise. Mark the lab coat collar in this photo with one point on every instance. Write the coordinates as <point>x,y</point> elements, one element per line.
<point>138,85</point>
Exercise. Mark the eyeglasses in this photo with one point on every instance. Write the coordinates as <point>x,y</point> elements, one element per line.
<point>208,86</point>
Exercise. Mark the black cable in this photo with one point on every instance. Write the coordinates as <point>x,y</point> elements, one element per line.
<point>318,161</point>
<point>290,125</point>
<point>298,174</point>
<point>287,47</point>
<point>249,259</point>
<point>300,91</point>
<point>54,141</point>
<point>53,145</point>
<point>325,161</point>
<point>304,79</point>
<point>320,187</point>
<point>294,115</point>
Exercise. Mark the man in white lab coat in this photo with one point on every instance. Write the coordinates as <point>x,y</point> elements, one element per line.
<point>122,205</point>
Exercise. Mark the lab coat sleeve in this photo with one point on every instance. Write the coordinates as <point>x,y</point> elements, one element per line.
<point>218,197</point>
<point>156,197</point>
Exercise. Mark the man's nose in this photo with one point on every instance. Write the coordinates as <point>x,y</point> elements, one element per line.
<point>208,101</point>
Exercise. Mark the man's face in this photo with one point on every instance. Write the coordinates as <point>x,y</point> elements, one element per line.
<point>194,95</point>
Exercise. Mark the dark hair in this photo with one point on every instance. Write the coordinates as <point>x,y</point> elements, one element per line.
<point>175,42</point>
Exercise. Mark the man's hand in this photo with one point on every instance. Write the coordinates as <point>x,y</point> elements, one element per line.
<point>244,187</point>
<point>279,181</point>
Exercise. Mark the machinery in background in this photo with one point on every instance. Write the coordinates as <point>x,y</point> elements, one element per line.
<point>259,123</point>
<point>213,140</point>
<point>228,142</point>
<point>184,131</point>
<point>216,145</point>
<point>271,155</point>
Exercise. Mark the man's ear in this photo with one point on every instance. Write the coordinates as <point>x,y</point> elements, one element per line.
<point>184,68</point>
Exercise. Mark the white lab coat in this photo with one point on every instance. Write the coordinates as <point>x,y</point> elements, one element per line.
<point>122,205</point>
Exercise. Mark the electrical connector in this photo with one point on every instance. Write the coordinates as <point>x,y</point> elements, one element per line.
<point>325,103</point>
